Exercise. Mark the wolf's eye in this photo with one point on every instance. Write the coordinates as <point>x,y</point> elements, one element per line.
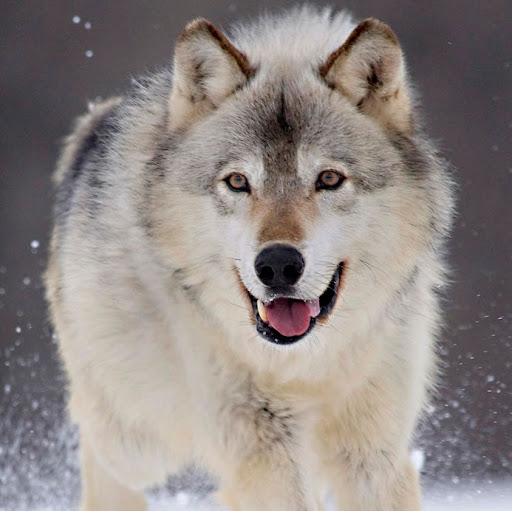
<point>237,183</point>
<point>329,180</point>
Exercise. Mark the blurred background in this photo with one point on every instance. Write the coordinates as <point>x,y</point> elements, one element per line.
<point>55,56</point>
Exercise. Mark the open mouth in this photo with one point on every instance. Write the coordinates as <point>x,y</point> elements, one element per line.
<point>287,320</point>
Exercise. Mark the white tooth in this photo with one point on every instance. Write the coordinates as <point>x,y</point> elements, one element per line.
<point>262,312</point>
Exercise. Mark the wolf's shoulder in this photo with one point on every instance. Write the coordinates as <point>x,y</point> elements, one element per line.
<point>88,131</point>
<point>87,141</point>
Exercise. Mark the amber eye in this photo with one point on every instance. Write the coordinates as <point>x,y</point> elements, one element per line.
<point>237,183</point>
<point>329,180</point>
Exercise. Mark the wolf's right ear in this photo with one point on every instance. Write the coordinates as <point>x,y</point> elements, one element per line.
<point>207,69</point>
<point>369,70</point>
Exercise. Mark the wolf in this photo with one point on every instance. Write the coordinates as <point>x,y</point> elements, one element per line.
<point>245,267</point>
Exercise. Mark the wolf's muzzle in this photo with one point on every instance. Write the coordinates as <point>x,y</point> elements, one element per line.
<point>286,320</point>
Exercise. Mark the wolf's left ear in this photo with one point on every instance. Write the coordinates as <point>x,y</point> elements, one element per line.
<point>207,69</point>
<point>369,70</point>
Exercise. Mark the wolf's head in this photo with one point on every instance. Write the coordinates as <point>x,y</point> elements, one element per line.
<point>298,199</point>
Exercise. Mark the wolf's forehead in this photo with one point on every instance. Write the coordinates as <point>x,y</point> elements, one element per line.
<point>280,125</point>
<point>279,135</point>
<point>285,115</point>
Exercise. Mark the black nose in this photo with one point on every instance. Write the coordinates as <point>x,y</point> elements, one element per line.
<point>279,265</point>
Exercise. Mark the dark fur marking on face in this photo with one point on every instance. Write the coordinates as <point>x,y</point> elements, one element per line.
<point>279,128</point>
<point>156,166</point>
<point>279,136</point>
<point>281,116</point>
<point>371,179</point>
<point>416,161</point>
<point>167,146</point>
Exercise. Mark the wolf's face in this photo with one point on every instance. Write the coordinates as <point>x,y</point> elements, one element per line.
<point>303,199</point>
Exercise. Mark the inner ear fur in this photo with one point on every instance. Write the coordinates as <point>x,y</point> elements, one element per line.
<point>369,70</point>
<point>207,69</point>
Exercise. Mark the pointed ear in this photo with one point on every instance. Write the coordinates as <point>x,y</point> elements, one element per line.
<point>207,69</point>
<point>369,70</point>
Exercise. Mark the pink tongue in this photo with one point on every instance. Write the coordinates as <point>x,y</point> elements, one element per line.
<point>290,317</point>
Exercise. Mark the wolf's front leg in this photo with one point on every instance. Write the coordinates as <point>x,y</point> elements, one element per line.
<point>100,491</point>
<point>267,481</point>
<point>361,488</point>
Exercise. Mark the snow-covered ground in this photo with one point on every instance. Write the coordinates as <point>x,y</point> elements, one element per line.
<point>497,497</point>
